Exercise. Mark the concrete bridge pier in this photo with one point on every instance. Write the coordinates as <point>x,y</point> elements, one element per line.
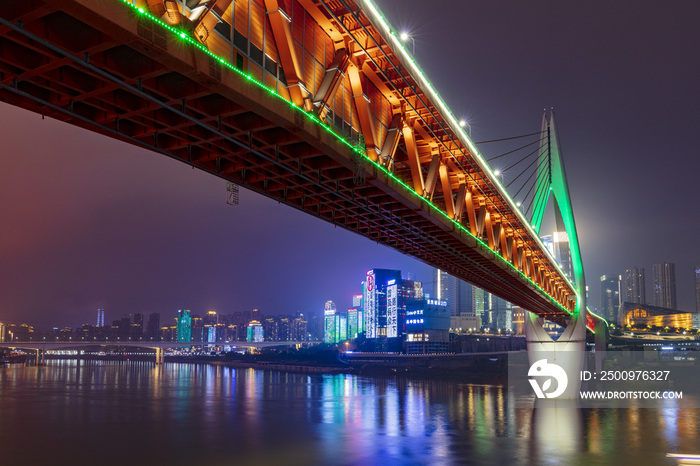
<point>160,356</point>
<point>567,352</point>
<point>40,353</point>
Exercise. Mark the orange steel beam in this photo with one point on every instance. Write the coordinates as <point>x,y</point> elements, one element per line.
<point>461,199</point>
<point>489,230</point>
<point>331,81</point>
<point>279,21</point>
<point>364,112</point>
<point>447,191</point>
<point>391,142</point>
<point>207,21</point>
<point>414,160</point>
<point>471,214</point>
<point>431,179</point>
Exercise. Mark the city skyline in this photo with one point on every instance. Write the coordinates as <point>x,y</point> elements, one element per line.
<point>103,224</point>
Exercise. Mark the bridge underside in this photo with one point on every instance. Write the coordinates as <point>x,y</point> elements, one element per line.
<point>110,72</point>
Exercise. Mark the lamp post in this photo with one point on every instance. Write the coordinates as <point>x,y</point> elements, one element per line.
<point>404,36</point>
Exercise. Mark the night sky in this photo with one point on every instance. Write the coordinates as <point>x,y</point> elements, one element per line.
<point>90,222</point>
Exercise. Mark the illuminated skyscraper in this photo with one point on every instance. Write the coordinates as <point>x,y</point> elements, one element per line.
<point>558,246</point>
<point>357,300</point>
<point>697,289</point>
<point>380,291</point>
<point>329,325</point>
<point>100,317</point>
<point>610,296</point>
<point>254,332</point>
<point>456,292</point>
<point>665,285</point>
<point>354,323</point>
<point>633,286</point>
<point>184,325</point>
<point>481,302</point>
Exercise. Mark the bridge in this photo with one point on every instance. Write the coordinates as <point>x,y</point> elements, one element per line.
<point>313,103</point>
<point>159,346</point>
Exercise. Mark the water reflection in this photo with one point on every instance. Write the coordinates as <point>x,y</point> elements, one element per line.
<point>139,413</point>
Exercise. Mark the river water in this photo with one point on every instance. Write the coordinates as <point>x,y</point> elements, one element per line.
<point>133,413</point>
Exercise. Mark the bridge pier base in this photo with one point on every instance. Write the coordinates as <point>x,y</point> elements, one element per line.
<point>40,357</point>
<point>567,352</point>
<point>160,356</point>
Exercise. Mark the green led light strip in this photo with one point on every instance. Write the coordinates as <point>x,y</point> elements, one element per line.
<point>358,148</point>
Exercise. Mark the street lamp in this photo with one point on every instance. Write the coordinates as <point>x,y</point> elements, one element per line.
<point>404,36</point>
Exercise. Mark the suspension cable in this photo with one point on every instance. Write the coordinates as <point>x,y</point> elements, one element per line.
<point>515,150</point>
<point>508,139</point>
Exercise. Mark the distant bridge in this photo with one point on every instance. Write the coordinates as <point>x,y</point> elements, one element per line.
<point>160,346</point>
<point>313,103</point>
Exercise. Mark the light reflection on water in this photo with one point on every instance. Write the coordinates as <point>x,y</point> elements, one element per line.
<point>136,413</point>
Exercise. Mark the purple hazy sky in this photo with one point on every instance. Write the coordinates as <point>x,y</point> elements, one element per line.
<point>90,222</point>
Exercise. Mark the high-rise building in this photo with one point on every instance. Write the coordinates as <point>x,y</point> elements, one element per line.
<point>354,322</point>
<point>558,246</point>
<point>136,325</point>
<point>100,317</point>
<point>184,325</point>
<point>456,292</point>
<point>254,332</point>
<point>211,318</point>
<point>329,325</point>
<point>697,289</point>
<point>665,285</point>
<point>2,332</point>
<point>427,326</point>
<point>633,288</point>
<point>610,296</point>
<point>380,311</point>
<point>500,316</point>
<point>441,284</point>
<point>153,326</point>
<point>562,252</point>
<point>481,302</point>
<point>357,300</point>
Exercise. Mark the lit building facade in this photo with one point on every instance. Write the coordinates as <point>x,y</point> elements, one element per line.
<point>100,317</point>
<point>558,246</point>
<point>330,334</point>
<point>697,289</point>
<point>633,286</point>
<point>500,315</point>
<point>665,285</point>
<point>481,302</point>
<point>255,332</point>
<point>610,296</point>
<point>184,325</point>
<point>427,326</point>
<point>354,323</point>
<point>641,315</point>
<point>456,292</point>
<point>380,304</point>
